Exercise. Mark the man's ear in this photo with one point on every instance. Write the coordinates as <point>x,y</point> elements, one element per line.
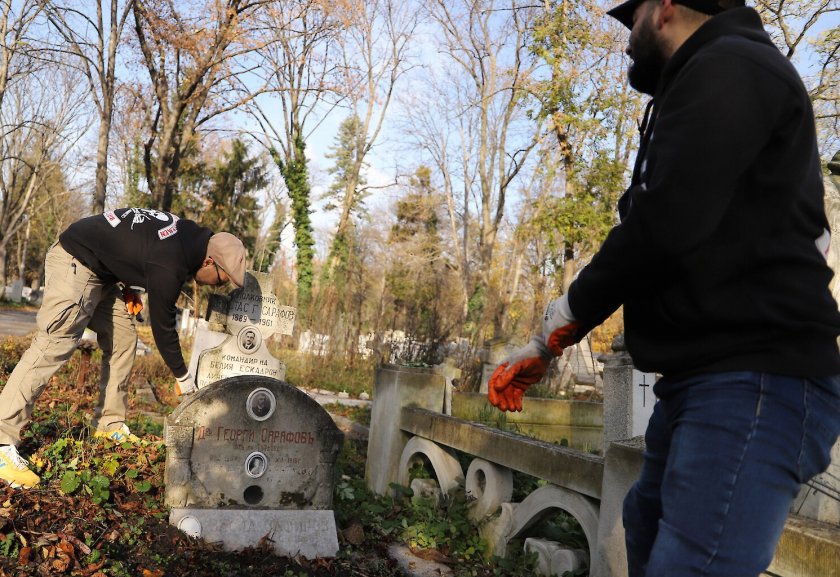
<point>667,12</point>
<point>207,261</point>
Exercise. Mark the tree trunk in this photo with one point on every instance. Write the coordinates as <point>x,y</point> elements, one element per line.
<point>101,187</point>
<point>569,267</point>
<point>3,262</point>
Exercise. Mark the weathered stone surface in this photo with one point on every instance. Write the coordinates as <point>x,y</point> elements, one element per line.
<point>204,339</point>
<point>396,387</point>
<point>574,470</point>
<point>580,423</point>
<point>490,485</point>
<point>550,498</point>
<point>311,534</point>
<point>807,549</point>
<point>252,305</point>
<point>555,559</point>
<point>628,395</point>
<point>239,326</point>
<point>622,465</point>
<point>251,442</point>
<point>446,467</point>
<point>232,359</point>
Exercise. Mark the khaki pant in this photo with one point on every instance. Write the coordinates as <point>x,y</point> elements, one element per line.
<point>74,298</point>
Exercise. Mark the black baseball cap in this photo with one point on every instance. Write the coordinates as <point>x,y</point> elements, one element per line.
<point>624,12</point>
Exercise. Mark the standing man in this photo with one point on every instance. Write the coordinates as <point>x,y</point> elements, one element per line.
<point>719,261</point>
<point>86,271</point>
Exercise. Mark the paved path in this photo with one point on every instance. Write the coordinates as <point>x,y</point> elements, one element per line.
<point>16,322</point>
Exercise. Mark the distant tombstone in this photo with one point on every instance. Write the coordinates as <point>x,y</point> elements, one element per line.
<point>643,401</point>
<point>17,291</point>
<point>495,351</point>
<point>628,395</point>
<point>250,316</point>
<point>253,457</point>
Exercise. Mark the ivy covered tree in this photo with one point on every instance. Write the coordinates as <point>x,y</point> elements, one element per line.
<point>295,171</point>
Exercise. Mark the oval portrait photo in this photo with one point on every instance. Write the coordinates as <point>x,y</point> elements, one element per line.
<point>260,404</point>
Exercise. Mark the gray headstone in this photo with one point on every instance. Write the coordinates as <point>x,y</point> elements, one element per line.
<point>252,443</point>
<point>242,354</point>
<point>252,305</point>
<point>17,291</point>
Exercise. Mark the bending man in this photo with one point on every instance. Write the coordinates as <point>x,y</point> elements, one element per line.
<point>86,271</point>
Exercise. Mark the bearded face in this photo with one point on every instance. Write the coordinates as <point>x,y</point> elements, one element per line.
<point>646,51</point>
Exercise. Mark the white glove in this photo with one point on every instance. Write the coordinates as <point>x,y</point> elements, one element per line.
<point>559,326</point>
<point>185,385</point>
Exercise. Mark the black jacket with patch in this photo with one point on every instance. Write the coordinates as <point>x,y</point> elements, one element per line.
<point>145,248</point>
<point>716,258</point>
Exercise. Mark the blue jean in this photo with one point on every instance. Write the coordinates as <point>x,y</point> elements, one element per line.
<point>725,456</point>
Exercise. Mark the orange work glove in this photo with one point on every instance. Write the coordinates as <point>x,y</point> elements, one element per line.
<point>519,371</point>
<point>133,302</point>
<point>560,330</point>
<point>529,364</point>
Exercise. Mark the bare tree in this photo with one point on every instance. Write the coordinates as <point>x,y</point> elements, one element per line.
<point>475,127</point>
<point>191,52</point>
<point>375,50</point>
<point>796,27</point>
<point>43,117</point>
<point>92,34</point>
<point>16,21</point>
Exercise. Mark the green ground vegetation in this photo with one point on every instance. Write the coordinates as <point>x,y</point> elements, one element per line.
<point>99,511</point>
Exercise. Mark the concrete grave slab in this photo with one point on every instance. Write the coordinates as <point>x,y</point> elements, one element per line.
<point>311,534</point>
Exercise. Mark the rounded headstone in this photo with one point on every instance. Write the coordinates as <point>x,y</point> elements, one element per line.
<point>251,441</point>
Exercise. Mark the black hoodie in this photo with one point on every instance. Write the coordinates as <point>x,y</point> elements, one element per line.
<point>146,248</point>
<point>716,258</point>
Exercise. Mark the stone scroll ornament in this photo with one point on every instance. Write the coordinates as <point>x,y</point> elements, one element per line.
<point>249,316</point>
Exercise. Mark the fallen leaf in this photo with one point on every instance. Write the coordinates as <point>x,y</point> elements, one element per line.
<point>61,563</point>
<point>23,556</point>
<point>67,549</point>
<point>80,545</point>
<point>431,555</point>
<point>93,568</point>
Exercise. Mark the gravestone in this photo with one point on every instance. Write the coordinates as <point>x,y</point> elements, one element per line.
<point>239,327</point>
<point>628,395</point>
<point>495,351</point>
<point>249,456</point>
<point>643,401</point>
<point>252,457</point>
